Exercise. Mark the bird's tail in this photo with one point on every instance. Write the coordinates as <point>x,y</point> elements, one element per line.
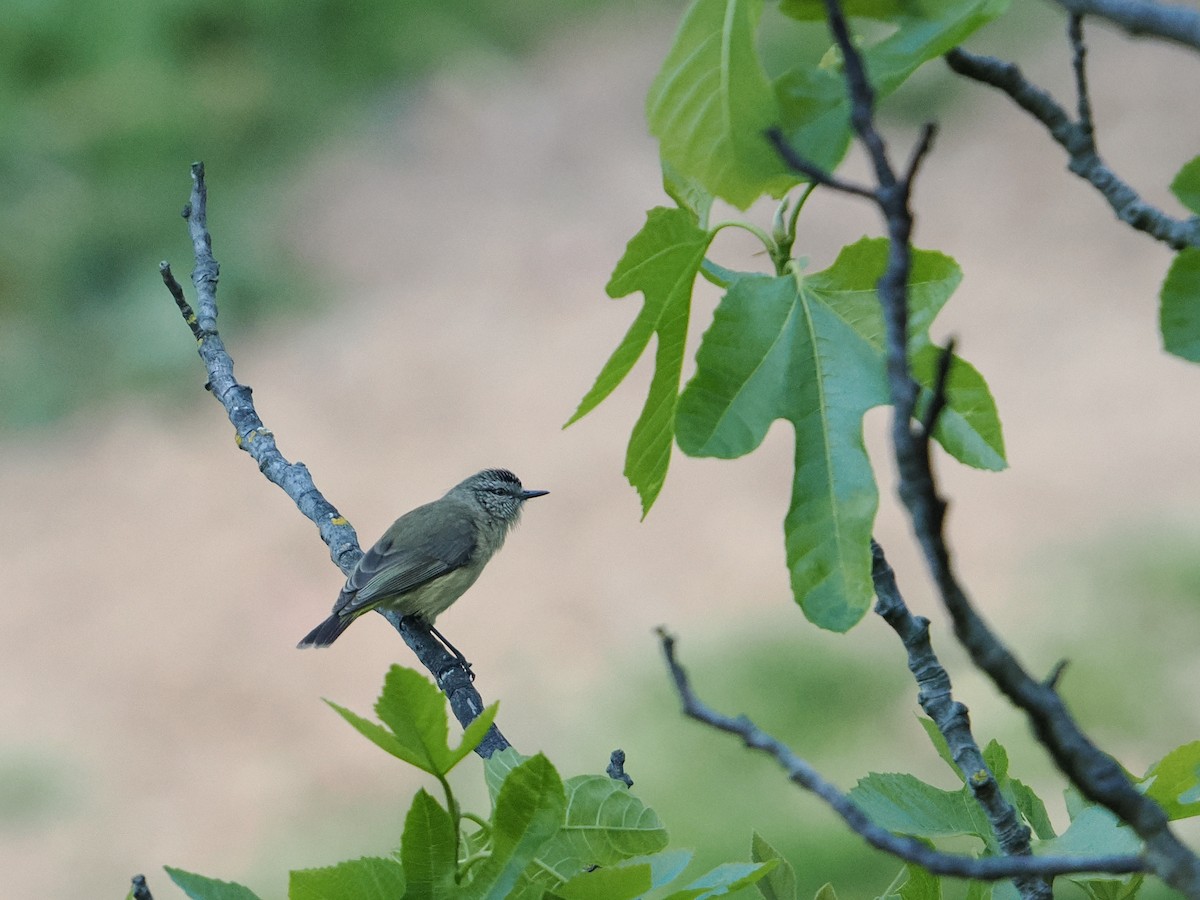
<point>327,632</point>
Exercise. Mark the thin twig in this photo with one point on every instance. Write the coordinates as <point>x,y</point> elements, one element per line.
<point>294,478</point>
<point>1076,138</point>
<point>920,151</point>
<point>185,308</point>
<point>1053,679</point>
<point>937,403</point>
<point>1083,99</point>
<point>811,170</point>
<point>992,868</point>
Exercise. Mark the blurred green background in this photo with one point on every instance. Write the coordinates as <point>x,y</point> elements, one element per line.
<point>1083,551</point>
<point>104,106</point>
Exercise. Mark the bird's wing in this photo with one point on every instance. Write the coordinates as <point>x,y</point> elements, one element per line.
<point>387,570</point>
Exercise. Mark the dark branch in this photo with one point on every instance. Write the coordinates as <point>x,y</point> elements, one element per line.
<point>919,152</point>
<point>993,868</point>
<point>1055,677</point>
<point>1171,22</point>
<point>1077,139</point>
<point>937,403</point>
<point>811,170</point>
<point>1095,773</point>
<point>141,890</point>
<point>616,768</point>
<point>952,720</point>
<point>294,478</point>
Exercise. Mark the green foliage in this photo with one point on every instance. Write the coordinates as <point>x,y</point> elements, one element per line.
<point>369,878</point>
<point>661,261</point>
<point>1174,781</point>
<point>807,348</point>
<point>529,811</point>
<point>1179,310</point>
<point>1186,185</point>
<point>918,884</point>
<point>200,888</point>
<point>586,838</point>
<point>803,347</point>
<point>414,712</point>
<point>906,805</point>
<point>427,849</point>
<point>780,882</point>
<point>713,99</point>
<point>1179,313</point>
<point>711,103</point>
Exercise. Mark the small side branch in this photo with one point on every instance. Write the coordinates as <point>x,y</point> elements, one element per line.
<point>1077,138</point>
<point>802,774</point>
<point>952,720</point>
<point>293,478</point>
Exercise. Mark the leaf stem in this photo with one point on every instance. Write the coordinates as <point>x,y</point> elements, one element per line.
<point>768,242</point>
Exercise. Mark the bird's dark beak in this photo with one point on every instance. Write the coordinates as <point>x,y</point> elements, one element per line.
<point>529,495</point>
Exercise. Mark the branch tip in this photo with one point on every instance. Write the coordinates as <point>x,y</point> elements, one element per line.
<point>616,768</point>
<point>1052,680</point>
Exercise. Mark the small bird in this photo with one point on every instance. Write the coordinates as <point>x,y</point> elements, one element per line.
<point>431,555</point>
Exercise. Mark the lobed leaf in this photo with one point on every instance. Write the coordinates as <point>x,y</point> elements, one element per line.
<point>772,353</point>
<point>1111,888</point>
<point>815,10</point>
<point>939,744</point>
<point>711,104</point>
<point>814,109</point>
<point>780,882</point>
<point>1186,185</point>
<point>810,349</point>
<point>528,812</point>
<point>615,883</point>
<point>381,737</point>
<point>1174,782</point>
<point>369,878</point>
<point>198,887</point>
<point>414,711</point>
<point>904,804</point>
<point>1094,831</point>
<point>661,261</point>
<point>497,767</point>
<point>427,850</point>
<point>724,880</point>
<point>920,884</point>
<point>1179,312</point>
<point>604,825</point>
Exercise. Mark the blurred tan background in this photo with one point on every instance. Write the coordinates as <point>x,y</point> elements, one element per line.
<point>153,707</point>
